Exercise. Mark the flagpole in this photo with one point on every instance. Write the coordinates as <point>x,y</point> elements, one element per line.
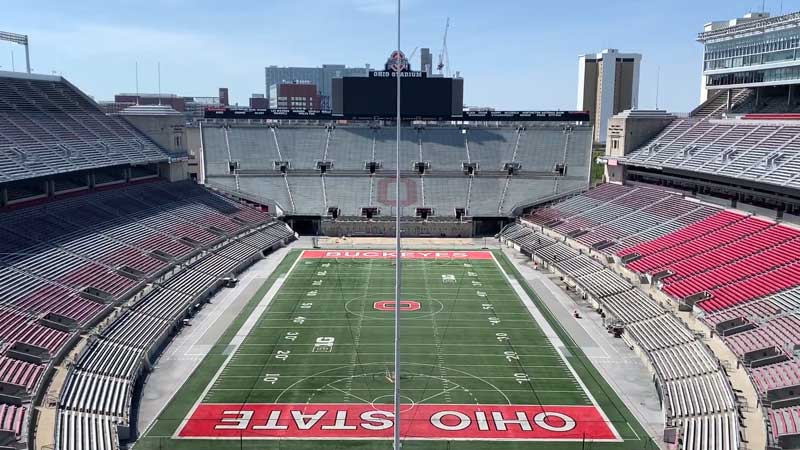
<point>398,259</point>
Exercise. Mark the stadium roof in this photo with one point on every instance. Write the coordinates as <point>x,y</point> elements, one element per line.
<point>750,27</point>
<point>149,110</point>
<point>30,76</point>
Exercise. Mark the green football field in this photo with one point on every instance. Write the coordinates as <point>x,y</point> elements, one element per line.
<point>309,364</point>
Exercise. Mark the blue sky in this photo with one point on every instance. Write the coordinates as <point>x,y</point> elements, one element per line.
<point>513,54</point>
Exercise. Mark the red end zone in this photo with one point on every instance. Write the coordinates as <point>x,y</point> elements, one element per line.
<point>377,254</point>
<point>426,421</point>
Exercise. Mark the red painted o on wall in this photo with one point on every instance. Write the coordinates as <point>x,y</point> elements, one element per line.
<point>405,305</point>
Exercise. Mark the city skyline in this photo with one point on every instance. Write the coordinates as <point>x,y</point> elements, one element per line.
<point>511,57</point>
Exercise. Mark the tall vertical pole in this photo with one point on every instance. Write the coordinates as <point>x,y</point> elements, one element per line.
<point>398,258</point>
<point>658,84</point>
<point>137,82</point>
<point>159,83</point>
<point>27,56</point>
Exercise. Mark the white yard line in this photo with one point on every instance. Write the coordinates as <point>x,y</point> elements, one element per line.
<point>357,334</point>
<point>451,366</point>
<point>558,344</point>
<point>346,393</point>
<point>471,355</point>
<point>364,344</point>
<point>425,389</point>
<point>406,327</point>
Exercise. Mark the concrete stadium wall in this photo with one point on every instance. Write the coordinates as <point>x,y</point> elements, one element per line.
<point>386,228</point>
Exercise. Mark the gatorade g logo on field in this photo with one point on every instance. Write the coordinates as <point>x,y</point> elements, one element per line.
<point>405,305</point>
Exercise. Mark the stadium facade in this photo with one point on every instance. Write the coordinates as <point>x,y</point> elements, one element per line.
<point>751,52</point>
<point>738,146</point>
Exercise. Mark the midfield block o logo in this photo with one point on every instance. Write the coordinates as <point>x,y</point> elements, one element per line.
<point>405,305</point>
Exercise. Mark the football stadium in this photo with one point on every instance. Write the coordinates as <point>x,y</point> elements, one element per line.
<point>357,260</point>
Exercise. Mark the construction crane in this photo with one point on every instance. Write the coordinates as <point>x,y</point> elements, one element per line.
<point>444,62</point>
<point>412,56</point>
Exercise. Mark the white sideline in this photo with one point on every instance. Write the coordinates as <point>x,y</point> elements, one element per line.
<point>240,336</point>
<point>558,344</point>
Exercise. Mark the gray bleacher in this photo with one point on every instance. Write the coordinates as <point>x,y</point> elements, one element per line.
<point>302,146</point>
<point>548,146</point>
<point>349,193</point>
<point>216,150</point>
<point>98,389</point>
<point>269,187</point>
<point>696,394</point>
<point>491,147</point>
<point>47,126</point>
<point>762,151</point>
<point>523,192</point>
<point>445,148</point>
<point>386,147</point>
<point>350,147</point>
<point>444,186</point>
<point>307,194</point>
<point>254,148</point>
<point>443,194</point>
<point>485,195</point>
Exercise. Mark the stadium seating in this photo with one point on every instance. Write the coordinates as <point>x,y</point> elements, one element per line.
<point>247,159</point>
<point>748,267</point>
<point>711,431</point>
<point>99,386</point>
<point>761,309</point>
<point>774,377</point>
<point>785,422</point>
<point>47,127</point>
<point>777,332</point>
<point>12,419</point>
<point>696,394</point>
<point>742,149</point>
<point>313,194</point>
<point>613,216</point>
<point>732,257</point>
<point>65,263</point>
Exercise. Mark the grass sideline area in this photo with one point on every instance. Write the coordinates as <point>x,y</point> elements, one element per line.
<point>473,357</point>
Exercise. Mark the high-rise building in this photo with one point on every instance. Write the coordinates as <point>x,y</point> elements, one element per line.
<point>426,61</point>
<point>319,76</point>
<point>223,97</point>
<point>608,83</point>
<point>755,51</point>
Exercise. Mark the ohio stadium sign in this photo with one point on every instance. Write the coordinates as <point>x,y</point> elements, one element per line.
<point>375,421</point>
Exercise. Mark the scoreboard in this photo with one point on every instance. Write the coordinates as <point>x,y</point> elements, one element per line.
<point>376,95</point>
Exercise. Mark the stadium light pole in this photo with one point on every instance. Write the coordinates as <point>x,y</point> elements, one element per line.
<point>398,259</point>
<point>20,39</point>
